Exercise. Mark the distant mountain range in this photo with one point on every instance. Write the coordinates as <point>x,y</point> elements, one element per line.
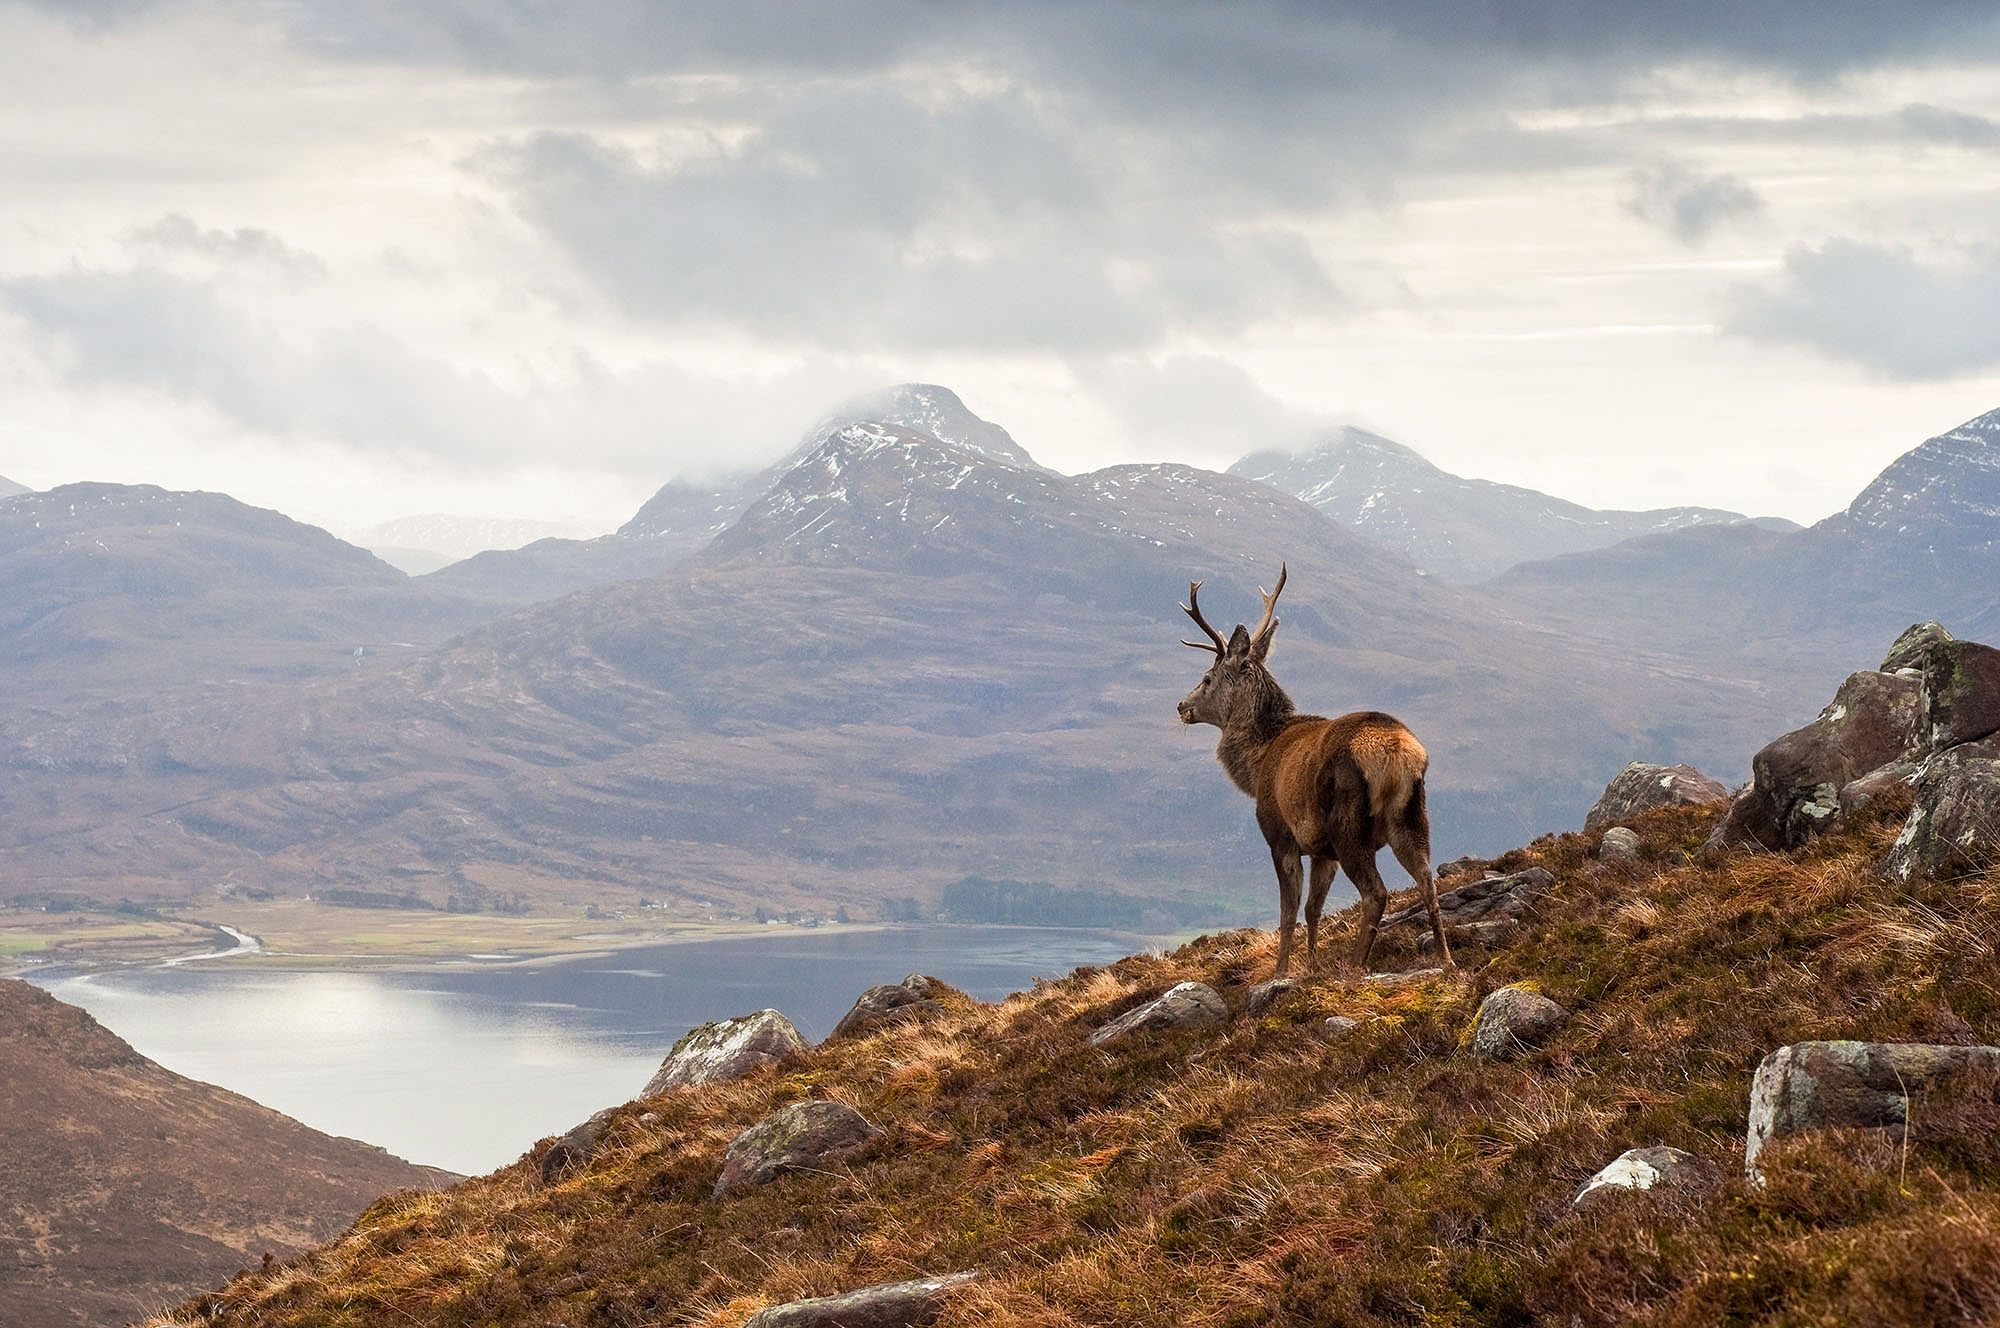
<point>420,544</point>
<point>128,1186</point>
<point>1462,529</point>
<point>9,488</point>
<point>891,662</point>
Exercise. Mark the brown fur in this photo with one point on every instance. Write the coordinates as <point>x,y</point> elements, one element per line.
<point>1335,790</point>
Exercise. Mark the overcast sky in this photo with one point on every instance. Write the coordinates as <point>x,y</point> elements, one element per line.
<point>356,259</point>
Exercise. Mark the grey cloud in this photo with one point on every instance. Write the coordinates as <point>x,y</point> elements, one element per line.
<point>1689,204</point>
<point>1197,407</point>
<point>1881,307</point>
<point>177,232</point>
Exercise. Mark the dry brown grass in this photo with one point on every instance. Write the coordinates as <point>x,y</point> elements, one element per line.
<point>1255,1174</point>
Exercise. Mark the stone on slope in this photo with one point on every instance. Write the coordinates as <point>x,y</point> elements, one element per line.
<point>1407,978</point>
<point>1491,899</point>
<point>1640,788</point>
<point>1639,1169</point>
<point>726,1049</point>
<point>1910,649</point>
<point>1511,1020</point>
<point>1873,720</point>
<point>1184,1005</point>
<point>1620,844</point>
<point>1954,828</point>
<point>1337,1026</point>
<point>1858,794</point>
<point>805,1134</point>
<point>577,1147</point>
<point>1961,693</point>
<point>891,1305</point>
<point>1820,1085</point>
<point>1267,994</point>
<point>915,997</point>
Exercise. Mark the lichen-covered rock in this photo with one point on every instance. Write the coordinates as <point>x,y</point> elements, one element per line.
<point>1961,693</point>
<point>1913,646</point>
<point>1620,844</point>
<point>726,1049</point>
<point>1184,1005</point>
<point>1409,977</point>
<point>1638,1170</point>
<point>1489,899</point>
<point>891,1305</point>
<point>1511,1020</point>
<point>1873,720</point>
<point>1640,788</point>
<point>1818,1085</point>
<point>805,1134</point>
<point>577,1147</point>
<point>915,997</point>
<point>1267,994</point>
<point>1954,828</point>
<point>1860,793</point>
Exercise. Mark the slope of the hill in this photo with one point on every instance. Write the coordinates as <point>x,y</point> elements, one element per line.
<point>1463,529</point>
<point>8,488</point>
<point>1260,1171</point>
<point>124,1186</point>
<point>904,665</point>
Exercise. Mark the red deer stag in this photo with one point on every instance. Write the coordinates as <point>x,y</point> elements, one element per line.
<point>1335,790</point>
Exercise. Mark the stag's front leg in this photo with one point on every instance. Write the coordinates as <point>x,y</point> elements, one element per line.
<point>1290,878</point>
<point>1322,881</point>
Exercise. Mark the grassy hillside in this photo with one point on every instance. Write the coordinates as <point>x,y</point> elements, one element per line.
<point>1256,1172</point>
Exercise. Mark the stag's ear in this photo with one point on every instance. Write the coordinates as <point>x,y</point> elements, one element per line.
<point>1239,642</point>
<point>1261,646</point>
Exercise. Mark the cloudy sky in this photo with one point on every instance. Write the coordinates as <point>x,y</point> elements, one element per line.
<point>357,259</point>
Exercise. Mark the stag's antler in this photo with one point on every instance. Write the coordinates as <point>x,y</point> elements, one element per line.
<point>1270,621</point>
<point>1193,610</point>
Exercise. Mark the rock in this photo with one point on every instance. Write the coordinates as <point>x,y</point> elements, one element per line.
<point>1404,979</point>
<point>1184,1005</point>
<point>1620,844</point>
<point>1640,788</point>
<point>1492,898</point>
<point>1639,1169</point>
<point>1493,931</point>
<point>1794,793</point>
<point>1266,994</point>
<point>1911,648</point>
<point>577,1147</point>
<point>1337,1026</point>
<point>1818,1085</point>
<point>891,1305</point>
<point>1961,693</point>
<point>1954,828</point>
<point>805,1134</point>
<point>1859,793</point>
<point>1511,1020</point>
<point>915,997</point>
<point>726,1049</point>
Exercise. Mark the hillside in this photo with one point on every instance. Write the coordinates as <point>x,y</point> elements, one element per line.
<point>1462,529</point>
<point>8,488</point>
<point>905,664</point>
<point>1275,1169</point>
<point>124,1186</point>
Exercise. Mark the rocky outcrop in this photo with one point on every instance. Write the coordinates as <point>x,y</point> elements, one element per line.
<point>1184,1005</point>
<point>1873,720</point>
<point>1961,693</point>
<point>577,1147</point>
<point>1264,995</point>
<point>1512,1020</point>
<point>805,1134</point>
<point>1638,1170</point>
<point>1954,828</point>
<point>1480,910</point>
<point>1821,1085</point>
<point>1640,788</point>
<point>1910,649</point>
<point>726,1049</point>
<point>1620,844</point>
<point>915,997</point>
<point>891,1305</point>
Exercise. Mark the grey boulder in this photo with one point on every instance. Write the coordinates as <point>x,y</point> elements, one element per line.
<point>891,1305</point>
<point>1512,1020</point>
<point>1820,1085</point>
<point>1954,828</point>
<point>805,1134</point>
<point>1264,995</point>
<point>726,1049</point>
<point>1640,788</point>
<point>1913,646</point>
<point>1619,844</point>
<point>1337,1026</point>
<point>1961,693</point>
<point>1489,899</point>
<point>1638,1170</point>
<point>577,1147</point>
<point>1184,1005</point>
<point>915,997</point>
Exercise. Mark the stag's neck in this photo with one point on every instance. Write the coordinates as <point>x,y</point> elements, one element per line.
<point>1243,745</point>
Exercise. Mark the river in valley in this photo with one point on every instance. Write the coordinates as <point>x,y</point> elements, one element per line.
<point>466,1066</point>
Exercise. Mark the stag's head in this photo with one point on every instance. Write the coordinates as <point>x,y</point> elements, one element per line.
<point>1237,685</point>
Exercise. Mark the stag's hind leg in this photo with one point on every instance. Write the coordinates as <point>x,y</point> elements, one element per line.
<point>1322,880</point>
<point>1410,840</point>
<point>1359,864</point>
<point>1290,878</point>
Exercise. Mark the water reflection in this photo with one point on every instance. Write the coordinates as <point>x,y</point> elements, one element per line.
<point>465,1068</point>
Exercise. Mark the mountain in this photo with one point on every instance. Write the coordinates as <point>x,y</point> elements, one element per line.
<point>1462,529</point>
<point>125,1186</point>
<point>684,515</point>
<point>906,663</point>
<point>8,488</point>
<point>1355,1153</point>
<point>420,544</point>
